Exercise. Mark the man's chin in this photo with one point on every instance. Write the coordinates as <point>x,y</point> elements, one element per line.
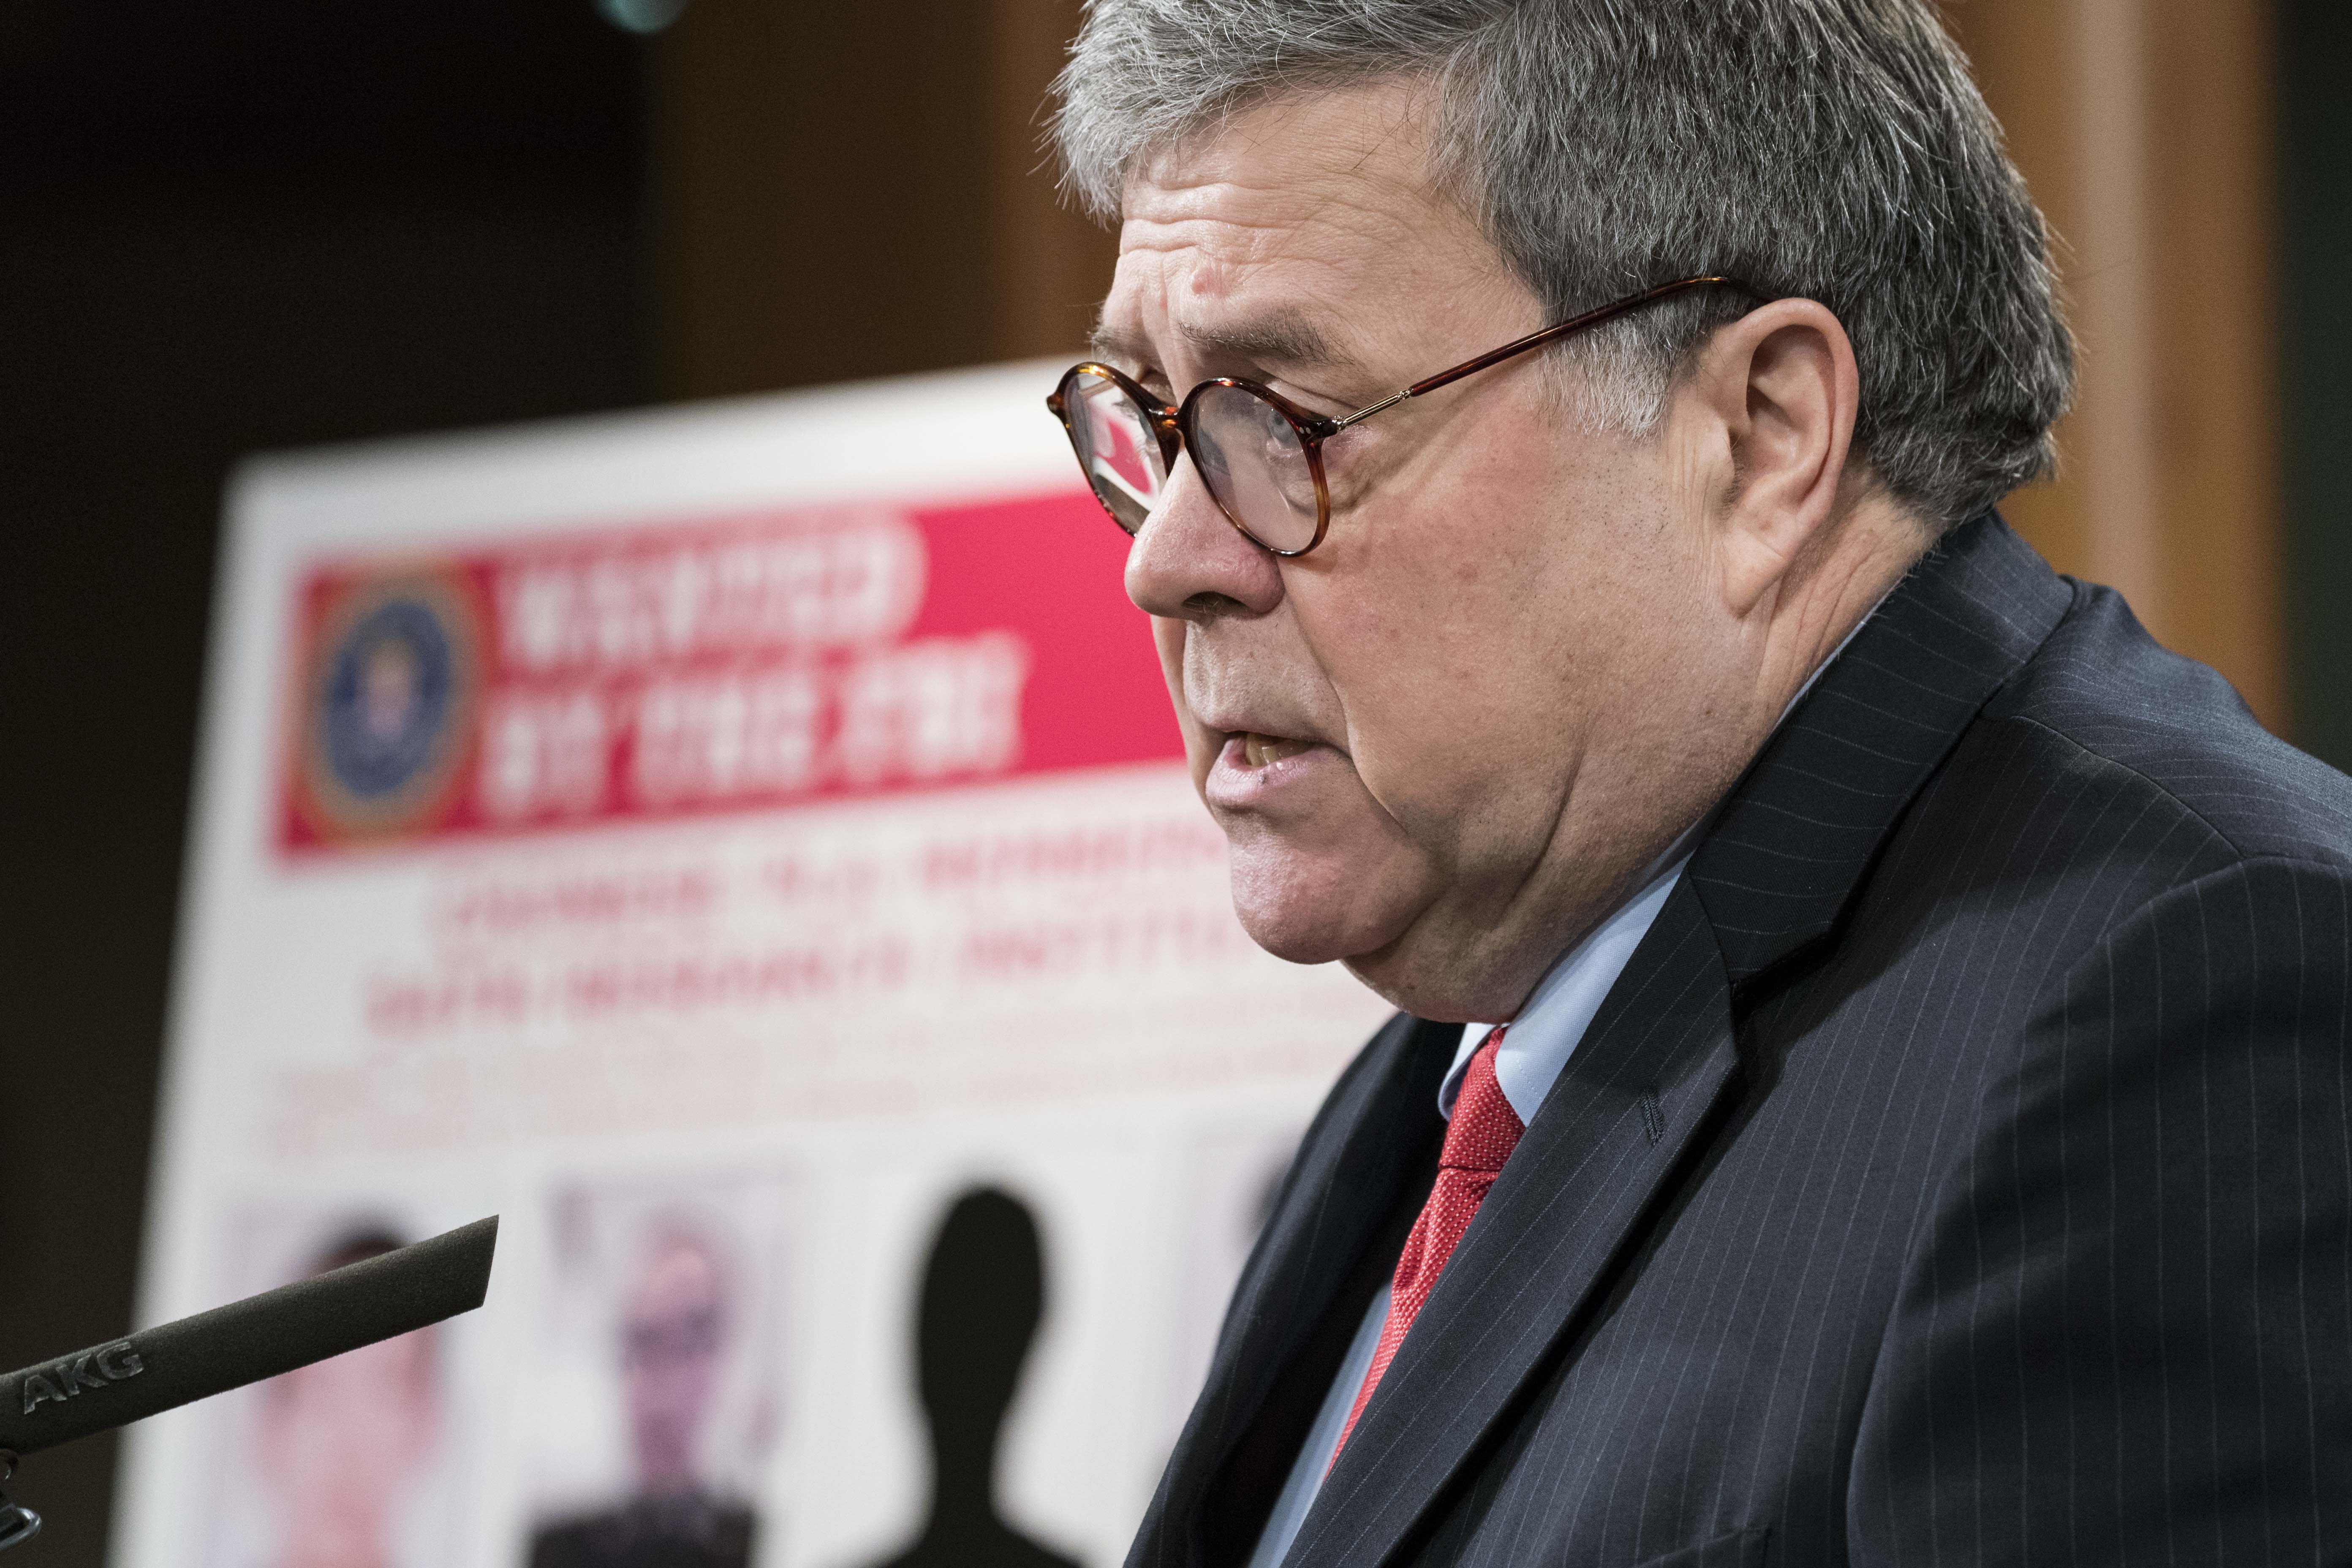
<point>1400,958</point>
<point>1294,937</point>
<point>1319,920</point>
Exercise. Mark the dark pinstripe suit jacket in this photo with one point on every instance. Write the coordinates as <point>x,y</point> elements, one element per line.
<point>1958,1174</point>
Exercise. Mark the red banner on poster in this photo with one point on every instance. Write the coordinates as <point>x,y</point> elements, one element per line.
<point>714,665</point>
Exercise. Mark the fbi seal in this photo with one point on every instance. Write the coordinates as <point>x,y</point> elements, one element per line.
<point>388,701</point>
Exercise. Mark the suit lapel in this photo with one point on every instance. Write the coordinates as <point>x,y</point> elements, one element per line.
<point>1785,857</point>
<point>1348,1179</point>
<point>1658,1057</point>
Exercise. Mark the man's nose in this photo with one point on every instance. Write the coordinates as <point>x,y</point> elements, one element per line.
<point>1188,562</point>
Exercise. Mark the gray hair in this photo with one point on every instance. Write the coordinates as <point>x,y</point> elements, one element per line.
<point>1834,149</point>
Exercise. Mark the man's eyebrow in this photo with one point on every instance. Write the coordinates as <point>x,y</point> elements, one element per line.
<point>1285,340</point>
<point>1112,346</point>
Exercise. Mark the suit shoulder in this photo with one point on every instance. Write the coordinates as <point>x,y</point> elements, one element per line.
<point>2107,691</point>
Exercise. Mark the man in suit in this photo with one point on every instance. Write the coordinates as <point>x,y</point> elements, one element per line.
<point>1871,1079</point>
<point>676,1321</point>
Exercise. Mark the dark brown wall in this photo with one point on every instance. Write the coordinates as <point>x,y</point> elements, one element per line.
<point>2315,75</point>
<point>852,191</point>
<point>226,226</point>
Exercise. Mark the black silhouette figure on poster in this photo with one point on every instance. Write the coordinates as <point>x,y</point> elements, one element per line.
<point>983,1294</point>
<point>676,1321</point>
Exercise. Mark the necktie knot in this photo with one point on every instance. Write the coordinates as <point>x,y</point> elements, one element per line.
<point>1479,1137</point>
<point>1485,1129</point>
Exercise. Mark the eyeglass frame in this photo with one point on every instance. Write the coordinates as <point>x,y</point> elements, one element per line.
<point>1171,423</point>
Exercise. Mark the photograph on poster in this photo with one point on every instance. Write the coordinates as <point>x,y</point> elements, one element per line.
<point>357,1462</point>
<point>661,1363</point>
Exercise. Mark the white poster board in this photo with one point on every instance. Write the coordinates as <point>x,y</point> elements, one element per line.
<point>714,840</point>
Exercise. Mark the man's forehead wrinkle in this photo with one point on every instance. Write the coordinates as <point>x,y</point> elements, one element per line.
<point>1234,292</point>
<point>1355,184</point>
<point>1277,243</point>
<point>1348,202</point>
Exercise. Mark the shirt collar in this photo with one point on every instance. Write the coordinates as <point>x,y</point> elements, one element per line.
<point>1538,1044</point>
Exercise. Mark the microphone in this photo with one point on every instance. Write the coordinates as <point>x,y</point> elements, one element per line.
<point>159,1369</point>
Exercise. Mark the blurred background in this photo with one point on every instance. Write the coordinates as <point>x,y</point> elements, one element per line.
<point>234,225</point>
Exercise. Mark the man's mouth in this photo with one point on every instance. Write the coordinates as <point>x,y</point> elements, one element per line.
<point>1253,768</point>
<point>1259,750</point>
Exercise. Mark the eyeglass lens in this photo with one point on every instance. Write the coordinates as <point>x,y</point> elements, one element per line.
<point>1250,457</point>
<point>1116,446</point>
<point>1254,464</point>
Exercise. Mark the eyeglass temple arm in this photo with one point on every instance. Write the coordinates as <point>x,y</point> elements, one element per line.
<point>1538,339</point>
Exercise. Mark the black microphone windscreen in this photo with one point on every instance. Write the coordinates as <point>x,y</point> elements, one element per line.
<point>157,1369</point>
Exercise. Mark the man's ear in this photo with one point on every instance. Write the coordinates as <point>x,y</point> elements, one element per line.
<point>1780,383</point>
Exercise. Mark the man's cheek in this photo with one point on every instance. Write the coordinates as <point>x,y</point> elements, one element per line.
<point>1168,639</point>
<point>1201,744</point>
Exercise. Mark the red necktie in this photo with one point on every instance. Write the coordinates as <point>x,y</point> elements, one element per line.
<point>1484,1131</point>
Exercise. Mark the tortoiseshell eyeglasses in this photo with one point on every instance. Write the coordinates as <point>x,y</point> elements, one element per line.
<point>1260,454</point>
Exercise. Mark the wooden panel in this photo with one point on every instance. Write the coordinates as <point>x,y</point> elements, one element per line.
<point>2215,231</point>
<point>2143,127</point>
<point>2021,50</point>
<point>846,191</point>
<point>1053,266</point>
